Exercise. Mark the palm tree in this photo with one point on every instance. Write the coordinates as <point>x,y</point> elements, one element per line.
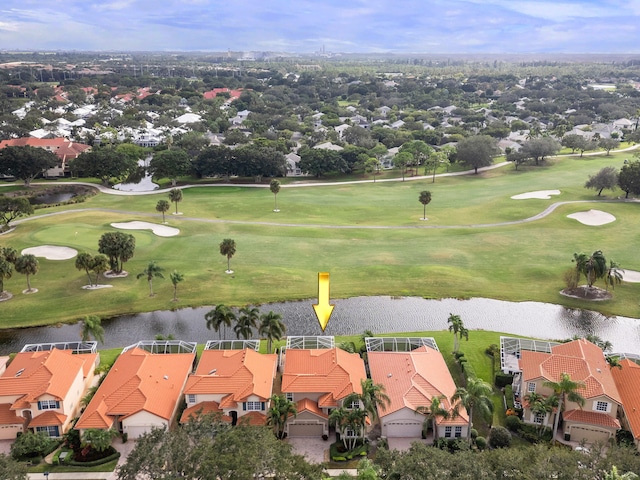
<point>345,419</point>
<point>592,267</point>
<point>457,327</point>
<point>84,261</point>
<point>98,439</point>
<point>274,186</point>
<point>433,412</point>
<point>221,316</point>
<point>279,412</point>
<point>152,271</point>
<point>92,327</point>
<point>476,396</point>
<point>425,199</point>
<point>565,389</point>
<point>27,265</point>
<point>175,277</point>
<point>175,195</point>
<point>613,275</point>
<point>271,326</point>
<point>228,249</point>
<point>99,265</point>
<point>163,206</point>
<point>373,396</point>
<point>6,270</point>
<point>247,321</point>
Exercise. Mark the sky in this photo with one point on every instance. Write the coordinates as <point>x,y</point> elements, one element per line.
<point>304,26</point>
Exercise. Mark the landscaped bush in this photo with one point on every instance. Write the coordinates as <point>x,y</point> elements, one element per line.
<point>474,433</point>
<point>338,453</point>
<point>508,396</point>
<point>88,455</point>
<point>624,438</point>
<point>481,443</point>
<point>531,433</point>
<point>458,355</point>
<point>94,463</point>
<point>512,423</point>
<point>451,445</point>
<point>29,445</point>
<point>499,437</point>
<point>503,379</point>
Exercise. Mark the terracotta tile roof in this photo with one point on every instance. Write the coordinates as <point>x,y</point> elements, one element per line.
<point>202,408</point>
<point>333,372</point>
<point>580,359</point>
<point>48,419</point>
<point>256,419</point>
<point>138,381</point>
<point>627,380</point>
<point>591,418</point>
<point>412,379</point>
<point>233,94</point>
<point>307,405</point>
<point>8,416</point>
<point>238,373</point>
<point>33,374</point>
<point>63,148</point>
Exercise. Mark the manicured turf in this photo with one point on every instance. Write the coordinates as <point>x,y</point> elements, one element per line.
<point>279,260</point>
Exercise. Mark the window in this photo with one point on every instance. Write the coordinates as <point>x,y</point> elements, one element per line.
<point>52,431</point>
<point>349,432</point>
<point>191,398</point>
<point>447,432</point>
<point>602,406</point>
<point>531,387</point>
<point>48,404</point>
<point>354,404</point>
<point>253,406</point>
<point>289,396</point>
<point>458,432</point>
<point>538,418</point>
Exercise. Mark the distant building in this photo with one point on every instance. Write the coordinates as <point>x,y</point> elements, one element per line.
<point>64,149</point>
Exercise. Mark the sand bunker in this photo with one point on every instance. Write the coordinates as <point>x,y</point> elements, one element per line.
<point>51,252</point>
<point>630,276</point>
<point>540,194</point>
<point>593,217</point>
<point>159,230</point>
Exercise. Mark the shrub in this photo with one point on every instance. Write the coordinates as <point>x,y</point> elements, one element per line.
<point>508,396</point>
<point>499,437</point>
<point>512,423</point>
<point>32,444</point>
<point>624,438</point>
<point>125,437</point>
<point>94,463</point>
<point>481,443</point>
<point>458,355</point>
<point>474,433</point>
<point>503,379</point>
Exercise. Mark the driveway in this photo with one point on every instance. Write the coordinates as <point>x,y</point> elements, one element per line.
<point>314,449</point>
<point>403,444</point>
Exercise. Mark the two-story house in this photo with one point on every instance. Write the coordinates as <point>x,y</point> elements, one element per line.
<point>411,381</point>
<point>627,380</point>
<point>237,384</point>
<point>584,362</point>
<point>318,380</point>
<point>142,390</point>
<point>41,391</point>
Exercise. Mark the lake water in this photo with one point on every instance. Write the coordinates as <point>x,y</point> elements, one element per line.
<point>52,198</point>
<point>354,315</point>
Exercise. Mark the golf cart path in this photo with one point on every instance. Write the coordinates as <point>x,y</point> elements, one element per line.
<point>546,212</point>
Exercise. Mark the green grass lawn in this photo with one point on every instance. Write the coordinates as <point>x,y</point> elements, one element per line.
<point>279,254</point>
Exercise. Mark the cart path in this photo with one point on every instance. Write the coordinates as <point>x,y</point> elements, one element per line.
<point>546,212</point>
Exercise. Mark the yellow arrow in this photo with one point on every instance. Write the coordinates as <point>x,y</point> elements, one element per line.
<point>323,309</point>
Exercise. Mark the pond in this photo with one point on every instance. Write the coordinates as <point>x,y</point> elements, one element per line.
<point>354,315</point>
<point>51,198</point>
<point>144,184</point>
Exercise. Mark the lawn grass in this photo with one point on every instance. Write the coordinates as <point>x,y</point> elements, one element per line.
<point>43,467</point>
<point>279,254</point>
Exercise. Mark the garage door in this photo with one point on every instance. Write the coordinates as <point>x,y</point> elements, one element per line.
<point>404,429</point>
<point>588,435</point>
<point>305,429</point>
<point>136,431</point>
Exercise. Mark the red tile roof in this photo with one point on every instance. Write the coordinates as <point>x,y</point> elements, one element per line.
<point>591,418</point>
<point>48,419</point>
<point>627,380</point>
<point>234,94</point>
<point>8,416</point>
<point>412,379</point>
<point>203,408</point>
<point>580,359</point>
<point>138,381</point>
<point>33,374</point>
<point>307,405</point>
<point>63,148</point>
<point>237,373</point>
<point>334,372</point>
<point>253,418</point>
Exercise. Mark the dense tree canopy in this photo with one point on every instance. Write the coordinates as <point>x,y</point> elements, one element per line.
<point>12,208</point>
<point>477,151</point>
<point>119,247</point>
<point>629,178</point>
<point>26,163</point>
<point>104,164</point>
<point>318,162</point>
<point>170,164</point>
<point>605,178</point>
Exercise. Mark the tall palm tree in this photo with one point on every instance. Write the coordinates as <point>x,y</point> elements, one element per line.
<point>27,265</point>
<point>6,270</point>
<point>92,327</point>
<point>433,412</point>
<point>425,199</point>
<point>614,275</point>
<point>247,321</point>
<point>457,327</point>
<point>176,277</point>
<point>152,271</point>
<point>271,326</point>
<point>99,265</point>
<point>274,186</point>
<point>163,206</point>
<point>373,396</point>
<point>175,195</point>
<point>279,412</point>
<point>476,396</point>
<point>592,266</point>
<point>228,249</point>
<point>84,261</point>
<point>565,389</point>
<point>220,317</point>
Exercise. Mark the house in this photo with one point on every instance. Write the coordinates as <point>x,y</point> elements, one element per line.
<point>142,390</point>
<point>318,380</point>
<point>627,381</point>
<point>293,169</point>
<point>235,383</point>
<point>41,390</point>
<point>329,146</point>
<point>65,150</point>
<point>597,420</point>
<point>411,380</point>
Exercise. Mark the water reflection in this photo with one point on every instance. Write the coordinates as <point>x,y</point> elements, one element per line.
<point>354,315</point>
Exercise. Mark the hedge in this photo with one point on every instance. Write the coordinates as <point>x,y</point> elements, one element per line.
<point>508,396</point>
<point>503,379</point>
<point>94,463</point>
